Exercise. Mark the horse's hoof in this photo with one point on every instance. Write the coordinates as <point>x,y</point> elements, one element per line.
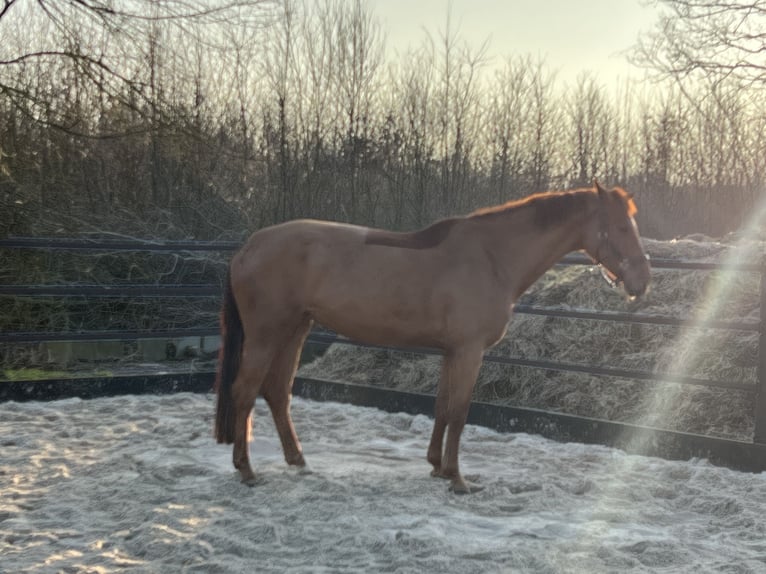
<point>297,460</point>
<point>465,487</point>
<point>252,481</point>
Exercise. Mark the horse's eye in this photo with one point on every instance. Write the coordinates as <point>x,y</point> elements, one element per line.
<point>623,228</point>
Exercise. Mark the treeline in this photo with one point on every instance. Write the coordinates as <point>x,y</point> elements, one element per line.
<point>214,127</point>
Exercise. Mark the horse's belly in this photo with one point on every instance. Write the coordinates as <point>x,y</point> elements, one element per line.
<point>380,333</point>
<point>381,324</point>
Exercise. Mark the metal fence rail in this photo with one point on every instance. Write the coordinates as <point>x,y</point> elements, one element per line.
<point>132,291</point>
<point>112,244</point>
<point>213,290</point>
<point>315,337</point>
<point>324,337</point>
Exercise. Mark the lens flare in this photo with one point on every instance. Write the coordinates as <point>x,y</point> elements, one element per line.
<point>664,402</point>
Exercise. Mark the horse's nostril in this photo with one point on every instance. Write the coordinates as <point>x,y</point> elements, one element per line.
<point>642,290</point>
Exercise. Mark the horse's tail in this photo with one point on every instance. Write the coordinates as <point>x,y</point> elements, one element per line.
<point>232,337</point>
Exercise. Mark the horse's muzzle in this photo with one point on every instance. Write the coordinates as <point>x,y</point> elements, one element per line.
<point>635,275</point>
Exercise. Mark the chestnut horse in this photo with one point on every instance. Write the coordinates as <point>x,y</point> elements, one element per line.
<point>451,286</point>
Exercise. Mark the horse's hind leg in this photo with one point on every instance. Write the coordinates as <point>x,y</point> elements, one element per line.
<point>254,366</point>
<point>277,391</point>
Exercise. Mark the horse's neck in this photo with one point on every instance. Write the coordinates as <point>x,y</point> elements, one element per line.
<point>525,250</point>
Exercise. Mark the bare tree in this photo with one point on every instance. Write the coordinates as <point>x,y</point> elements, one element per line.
<point>78,33</point>
<point>713,50</point>
<point>317,109</point>
<point>508,121</point>
<point>280,73</point>
<point>545,126</point>
<point>715,39</point>
<point>410,110</point>
<point>457,111</point>
<point>590,123</point>
<point>359,44</point>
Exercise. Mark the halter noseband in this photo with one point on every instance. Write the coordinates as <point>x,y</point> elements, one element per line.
<point>605,243</point>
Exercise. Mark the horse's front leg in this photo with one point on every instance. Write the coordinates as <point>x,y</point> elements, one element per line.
<point>458,377</point>
<point>436,445</point>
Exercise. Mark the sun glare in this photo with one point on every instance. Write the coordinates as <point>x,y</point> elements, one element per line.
<point>691,342</point>
<point>664,400</point>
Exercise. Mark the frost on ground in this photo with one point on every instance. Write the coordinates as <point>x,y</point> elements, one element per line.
<point>136,484</point>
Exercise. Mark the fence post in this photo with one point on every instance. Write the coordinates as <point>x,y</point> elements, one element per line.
<point>759,432</point>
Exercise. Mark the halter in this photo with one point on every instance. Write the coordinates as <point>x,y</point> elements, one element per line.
<point>605,243</point>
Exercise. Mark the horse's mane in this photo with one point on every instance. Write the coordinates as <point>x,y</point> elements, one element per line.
<point>552,207</point>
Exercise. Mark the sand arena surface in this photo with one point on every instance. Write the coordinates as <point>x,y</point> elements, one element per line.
<point>137,484</point>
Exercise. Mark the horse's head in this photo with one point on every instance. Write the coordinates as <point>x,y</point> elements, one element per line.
<point>612,241</point>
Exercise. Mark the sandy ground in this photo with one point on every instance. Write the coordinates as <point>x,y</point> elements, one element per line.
<point>136,484</point>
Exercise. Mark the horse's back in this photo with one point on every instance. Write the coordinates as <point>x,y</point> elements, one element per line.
<point>296,246</point>
<point>289,252</point>
<point>308,246</point>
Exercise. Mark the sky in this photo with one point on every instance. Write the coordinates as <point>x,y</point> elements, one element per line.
<point>572,35</point>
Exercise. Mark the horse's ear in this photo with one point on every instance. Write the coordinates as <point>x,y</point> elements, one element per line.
<point>631,204</point>
<point>597,187</point>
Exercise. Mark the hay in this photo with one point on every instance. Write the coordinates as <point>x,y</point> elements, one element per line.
<point>703,353</point>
